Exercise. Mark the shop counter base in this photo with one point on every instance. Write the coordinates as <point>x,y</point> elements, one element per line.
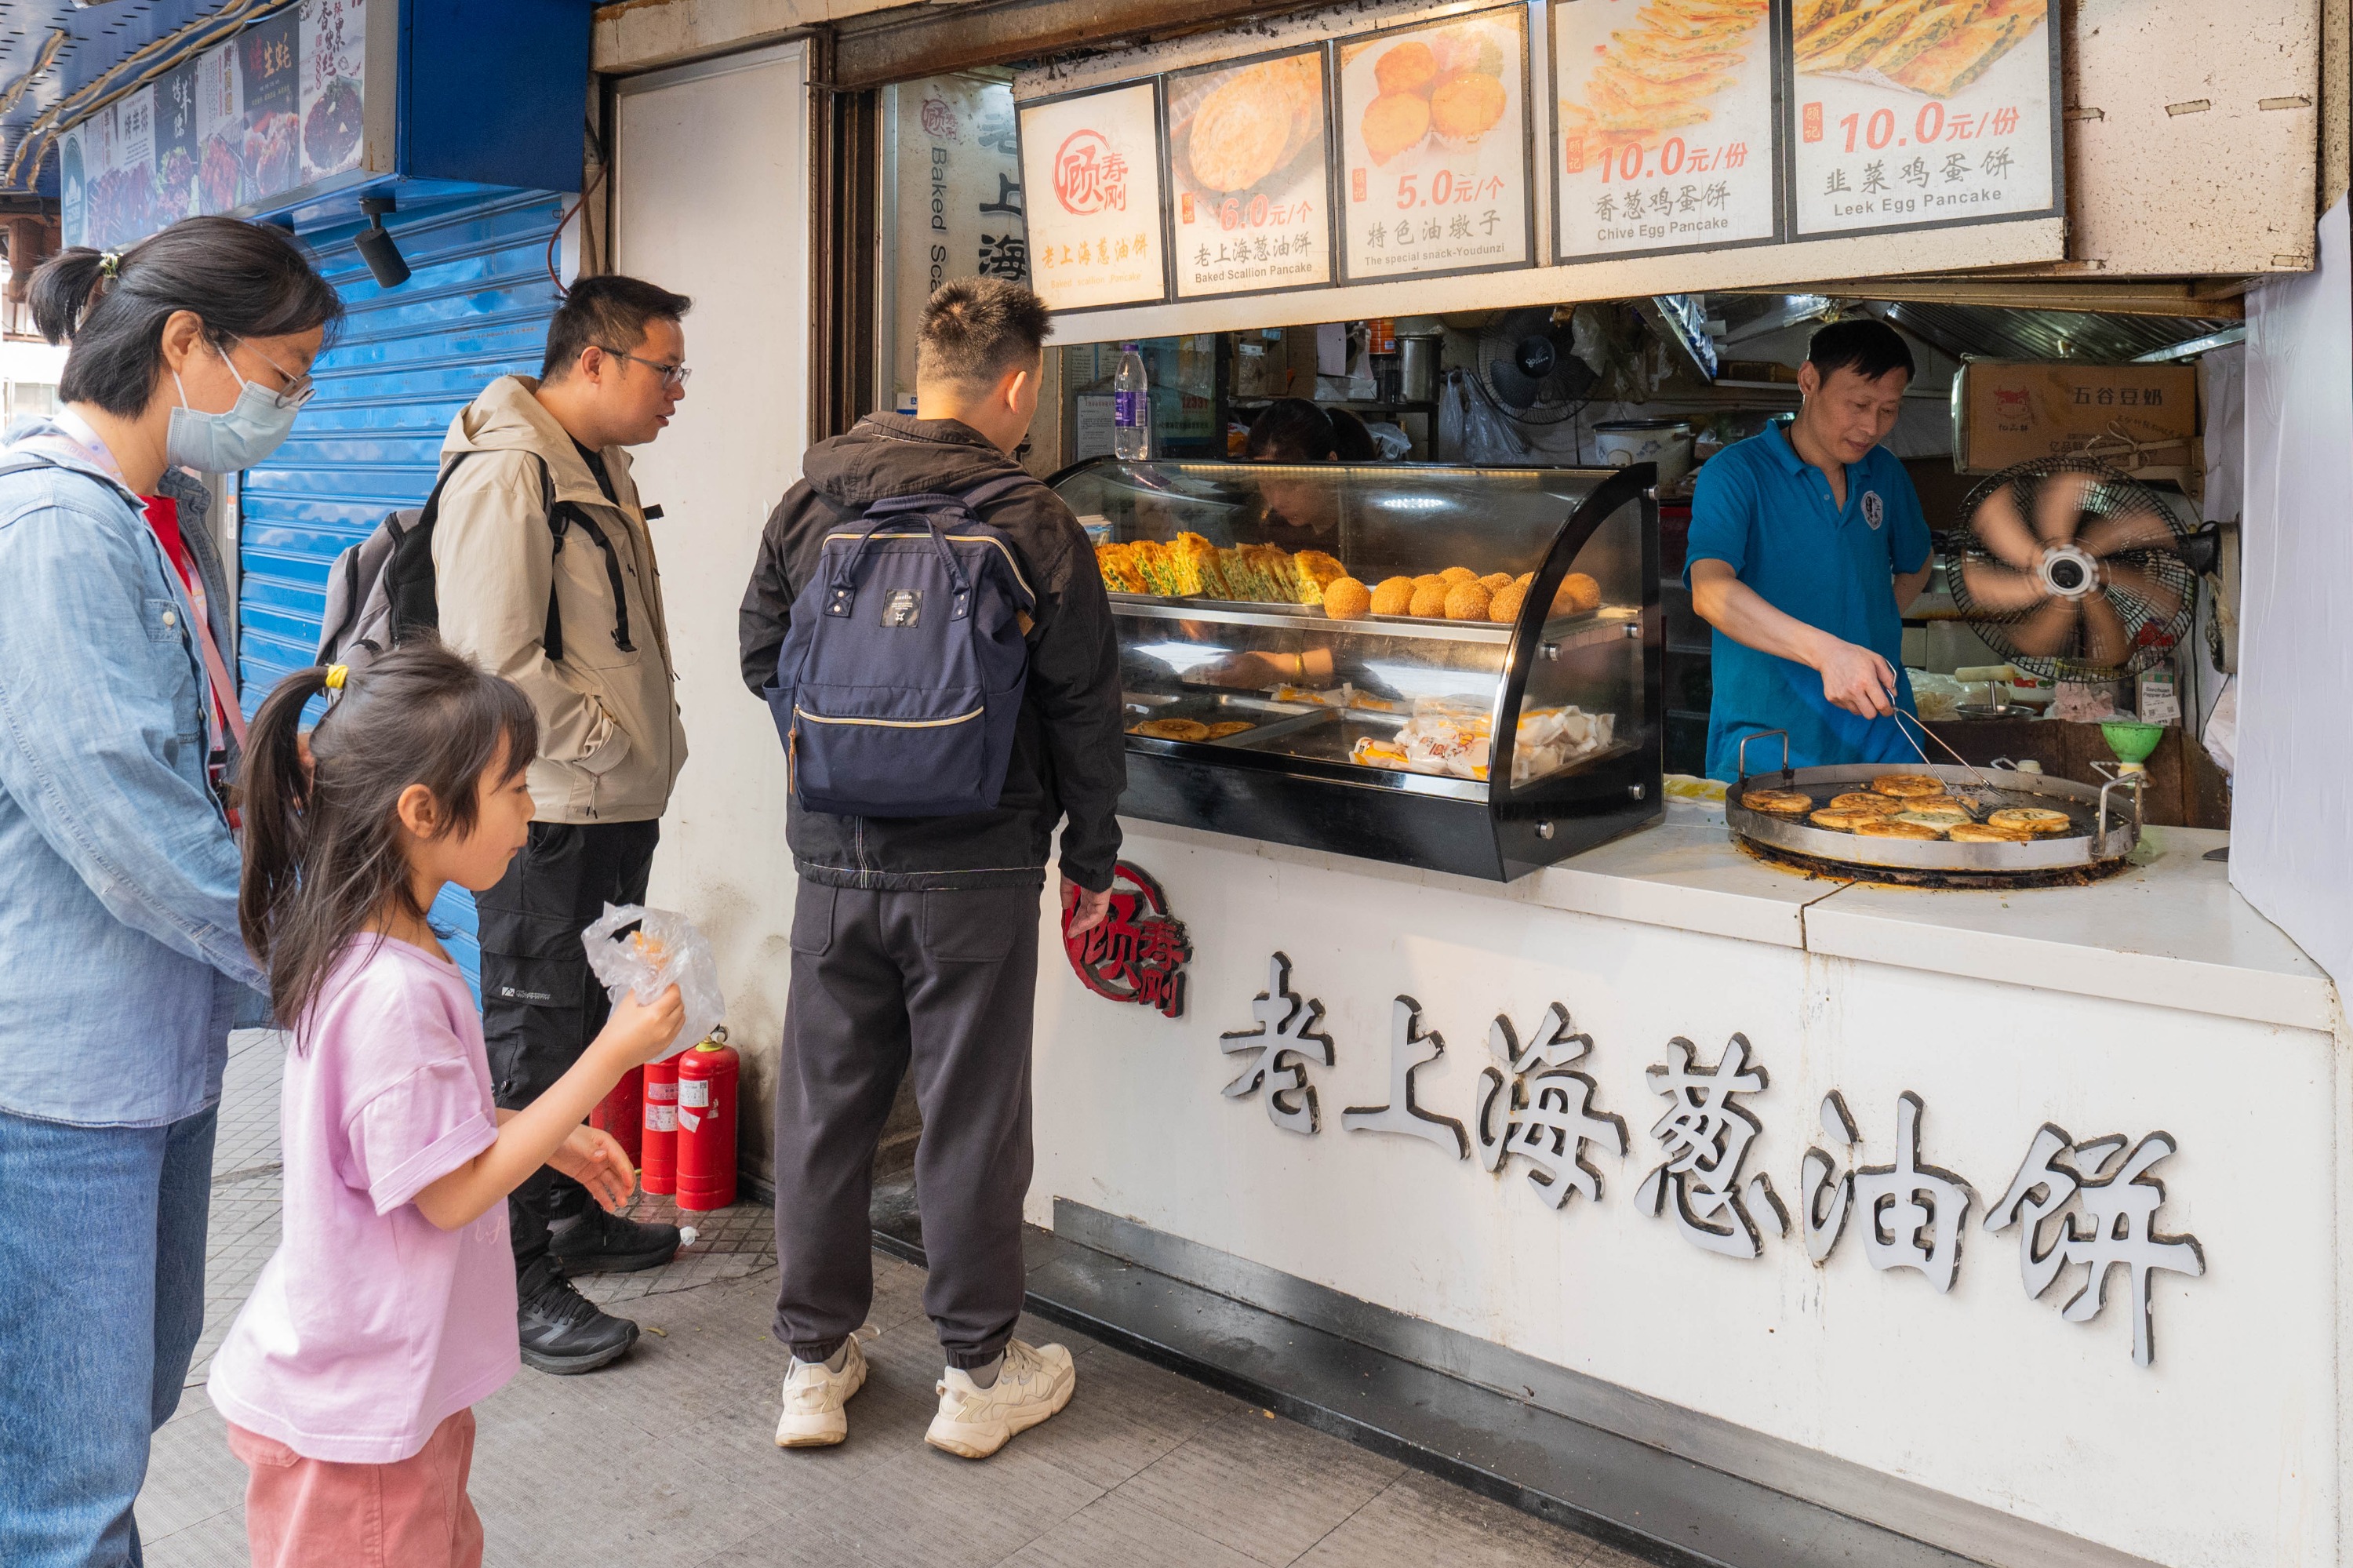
<point>1627,1494</point>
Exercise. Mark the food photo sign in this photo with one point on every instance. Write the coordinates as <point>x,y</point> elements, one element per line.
<point>1434,149</point>
<point>243,127</point>
<point>1914,113</point>
<point>1249,172</point>
<point>1090,173</point>
<point>1664,126</point>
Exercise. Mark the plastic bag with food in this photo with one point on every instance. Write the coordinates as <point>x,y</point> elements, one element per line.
<point>665,949</point>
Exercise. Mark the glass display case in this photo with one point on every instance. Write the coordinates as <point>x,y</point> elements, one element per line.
<point>1456,668</point>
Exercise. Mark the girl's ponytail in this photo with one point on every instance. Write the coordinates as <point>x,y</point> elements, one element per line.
<point>274,787</point>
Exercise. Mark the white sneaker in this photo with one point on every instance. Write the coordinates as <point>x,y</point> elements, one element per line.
<point>814,1397</point>
<point>1034,1383</point>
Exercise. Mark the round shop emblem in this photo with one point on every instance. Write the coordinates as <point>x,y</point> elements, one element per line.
<point>1139,953</point>
<point>1874,511</point>
<point>1088,177</point>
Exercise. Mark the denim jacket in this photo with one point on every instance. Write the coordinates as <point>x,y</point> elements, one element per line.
<point>121,966</point>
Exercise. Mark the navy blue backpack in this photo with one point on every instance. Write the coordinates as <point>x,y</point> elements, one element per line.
<point>898,684</point>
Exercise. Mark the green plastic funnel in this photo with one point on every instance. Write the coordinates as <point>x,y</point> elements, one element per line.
<point>2132,741</point>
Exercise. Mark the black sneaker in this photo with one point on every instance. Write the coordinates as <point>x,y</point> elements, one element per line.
<point>562,1331</point>
<point>599,1243</point>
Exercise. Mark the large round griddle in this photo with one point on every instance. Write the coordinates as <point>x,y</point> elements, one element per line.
<point>2107,829</point>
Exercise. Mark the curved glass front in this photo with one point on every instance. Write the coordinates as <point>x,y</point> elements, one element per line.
<point>1362,617</point>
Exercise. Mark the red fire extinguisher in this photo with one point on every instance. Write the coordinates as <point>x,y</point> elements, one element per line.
<point>657,1159</point>
<point>707,1077</point>
<point>622,1114</point>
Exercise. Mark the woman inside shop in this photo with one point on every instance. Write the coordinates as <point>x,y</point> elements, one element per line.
<point>121,966</point>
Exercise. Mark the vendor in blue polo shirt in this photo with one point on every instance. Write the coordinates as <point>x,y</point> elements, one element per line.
<point>1806,543</point>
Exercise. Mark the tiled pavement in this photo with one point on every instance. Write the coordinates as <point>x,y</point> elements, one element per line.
<point>665,1460</point>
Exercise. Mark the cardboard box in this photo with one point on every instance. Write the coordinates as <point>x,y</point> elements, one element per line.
<point>2135,418</point>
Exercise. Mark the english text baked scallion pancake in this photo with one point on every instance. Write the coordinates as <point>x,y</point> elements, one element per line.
<point>1890,828</point>
<point>1863,800</point>
<point>1907,785</point>
<point>1780,802</point>
<point>2033,819</point>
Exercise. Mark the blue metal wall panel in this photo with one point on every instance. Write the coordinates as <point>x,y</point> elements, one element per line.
<point>402,364</point>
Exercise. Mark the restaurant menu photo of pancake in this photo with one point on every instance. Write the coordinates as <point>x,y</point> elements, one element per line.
<point>1434,148</point>
<point>1665,127</point>
<point>1249,171</point>
<point>1911,113</point>
<point>1091,178</point>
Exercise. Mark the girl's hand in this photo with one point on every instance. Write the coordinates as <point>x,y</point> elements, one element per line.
<point>640,1032</point>
<point>594,1159</point>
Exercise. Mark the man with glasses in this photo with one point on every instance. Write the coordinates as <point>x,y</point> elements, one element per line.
<point>544,573</point>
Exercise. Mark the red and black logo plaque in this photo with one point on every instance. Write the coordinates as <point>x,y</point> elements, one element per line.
<point>1139,953</point>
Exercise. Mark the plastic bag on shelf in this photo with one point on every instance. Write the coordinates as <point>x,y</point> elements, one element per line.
<point>1471,428</point>
<point>665,949</point>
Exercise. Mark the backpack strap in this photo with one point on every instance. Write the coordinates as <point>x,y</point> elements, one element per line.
<point>414,601</point>
<point>562,516</point>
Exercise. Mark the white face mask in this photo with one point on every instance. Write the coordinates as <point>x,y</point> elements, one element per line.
<point>229,442</point>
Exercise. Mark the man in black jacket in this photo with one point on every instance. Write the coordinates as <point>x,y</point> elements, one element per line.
<point>914,941</point>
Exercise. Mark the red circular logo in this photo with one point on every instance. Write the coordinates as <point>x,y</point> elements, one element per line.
<point>939,119</point>
<point>1088,177</point>
<point>1138,954</point>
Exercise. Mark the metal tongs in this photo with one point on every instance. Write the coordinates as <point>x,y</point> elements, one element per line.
<point>1977,777</point>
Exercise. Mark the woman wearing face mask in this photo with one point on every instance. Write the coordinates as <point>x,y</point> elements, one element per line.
<point>121,965</point>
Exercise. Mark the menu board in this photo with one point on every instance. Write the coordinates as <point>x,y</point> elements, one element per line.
<point>1250,170</point>
<point>1090,163</point>
<point>1907,113</point>
<point>243,125</point>
<point>333,52</point>
<point>1665,128</point>
<point>959,201</point>
<point>1434,149</point>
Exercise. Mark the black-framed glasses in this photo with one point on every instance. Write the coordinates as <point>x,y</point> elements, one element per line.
<point>672,375</point>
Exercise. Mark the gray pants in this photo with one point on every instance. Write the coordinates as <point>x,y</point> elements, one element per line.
<point>942,984</point>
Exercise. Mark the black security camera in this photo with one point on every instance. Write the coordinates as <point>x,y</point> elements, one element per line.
<point>376,246</point>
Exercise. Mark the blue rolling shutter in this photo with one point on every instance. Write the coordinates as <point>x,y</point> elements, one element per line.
<point>403,363</point>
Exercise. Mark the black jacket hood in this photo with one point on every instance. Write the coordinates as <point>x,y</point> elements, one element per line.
<point>885,455</point>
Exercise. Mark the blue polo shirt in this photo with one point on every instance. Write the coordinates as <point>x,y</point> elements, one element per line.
<point>1768,514</point>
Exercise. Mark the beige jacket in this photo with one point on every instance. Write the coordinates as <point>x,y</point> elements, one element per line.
<point>611,740</point>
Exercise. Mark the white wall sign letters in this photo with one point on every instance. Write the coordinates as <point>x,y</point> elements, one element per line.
<point>2092,1204</point>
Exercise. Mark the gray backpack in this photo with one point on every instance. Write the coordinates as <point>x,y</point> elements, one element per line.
<point>381,590</point>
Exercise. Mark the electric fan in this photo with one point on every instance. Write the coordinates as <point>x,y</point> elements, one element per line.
<point>1528,371</point>
<point>2065,561</point>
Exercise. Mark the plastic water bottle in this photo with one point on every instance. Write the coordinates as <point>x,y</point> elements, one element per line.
<point>1131,417</point>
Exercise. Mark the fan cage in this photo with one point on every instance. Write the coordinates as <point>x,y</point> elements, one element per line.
<point>2152,635</point>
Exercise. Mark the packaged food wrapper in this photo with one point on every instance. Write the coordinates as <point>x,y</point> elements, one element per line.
<point>665,949</point>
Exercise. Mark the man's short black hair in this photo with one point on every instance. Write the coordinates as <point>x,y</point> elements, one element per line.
<point>1869,348</point>
<point>1291,430</point>
<point>608,311</point>
<point>975,330</point>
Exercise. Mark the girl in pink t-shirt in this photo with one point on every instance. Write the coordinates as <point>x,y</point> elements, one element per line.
<point>388,1309</point>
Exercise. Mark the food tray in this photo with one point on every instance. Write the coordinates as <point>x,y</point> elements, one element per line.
<point>2106,831</point>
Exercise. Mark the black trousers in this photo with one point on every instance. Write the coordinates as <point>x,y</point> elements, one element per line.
<point>884,983</point>
<point>541,1004</point>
